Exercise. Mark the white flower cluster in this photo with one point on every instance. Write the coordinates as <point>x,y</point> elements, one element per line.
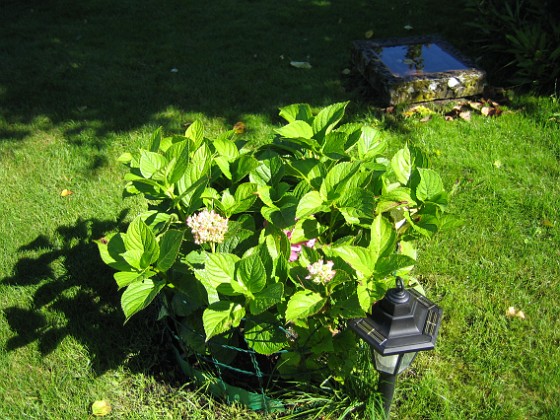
<point>321,272</point>
<point>208,226</point>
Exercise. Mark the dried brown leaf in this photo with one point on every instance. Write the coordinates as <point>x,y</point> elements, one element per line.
<point>465,115</point>
<point>239,127</point>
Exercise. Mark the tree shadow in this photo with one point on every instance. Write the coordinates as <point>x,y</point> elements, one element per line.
<point>75,295</point>
<point>108,66</point>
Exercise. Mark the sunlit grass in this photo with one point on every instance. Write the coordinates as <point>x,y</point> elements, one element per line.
<point>98,80</point>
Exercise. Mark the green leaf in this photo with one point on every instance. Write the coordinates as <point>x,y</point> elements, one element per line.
<point>310,203</point>
<point>245,196</point>
<point>337,179</point>
<point>365,298</point>
<point>303,304</point>
<point>368,145</point>
<point>152,165</point>
<point>226,148</point>
<point>139,295</point>
<point>360,200</point>
<point>221,267</point>
<point>383,237</point>
<point>402,165</point>
<point>141,245</point>
<point>242,166</point>
<point>397,197</point>
<point>181,152</point>
<point>223,164</point>
<point>266,298</point>
<point>263,337</point>
<point>250,273</point>
<point>359,258</point>
<point>296,129</point>
<point>124,278</point>
<point>295,112</point>
<point>220,317</point>
<point>282,217</point>
<point>430,186</point>
<point>334,145</point>
<point>390,265</point>
<point>169,246</point>
<point>111,249</point>
<point>327,119</point>
<point>195,132</point>
<point>155,140</point>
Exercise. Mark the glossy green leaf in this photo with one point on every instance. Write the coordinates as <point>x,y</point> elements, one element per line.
<point>430,186</point>
<point>264,338</point>
<point>337,180</point>
<point>370,144</point>
<point>111,249</point>
<point>152,165</point>
<point>327,119</point>
<point>250,273</point>
<point>266,298</point>
<point>124,278</point>
<point>295,112</point>
<point>155,140</point>
<point>303,304</point>
<point>383,237</point>
<point>169,245</point>
<point>311,203</point>
<point>139,295</point>
<point>359,258</point>
<point>220,317</point>
<point>221,267</point>
<point>402,165</point>
<point>296,129</point>
<point>141,244</point>
<point>195,132</point>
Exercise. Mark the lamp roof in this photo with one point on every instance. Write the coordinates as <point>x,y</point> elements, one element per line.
<point>403,321</point>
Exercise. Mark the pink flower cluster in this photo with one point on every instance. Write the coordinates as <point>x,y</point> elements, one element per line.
<point>207,226</point>
<point>296,248</point>
<point>321,272</point>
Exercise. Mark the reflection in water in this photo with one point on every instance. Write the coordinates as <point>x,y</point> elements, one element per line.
<point>406,60</point>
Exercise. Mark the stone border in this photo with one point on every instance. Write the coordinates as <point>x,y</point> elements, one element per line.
<point>415,88</point>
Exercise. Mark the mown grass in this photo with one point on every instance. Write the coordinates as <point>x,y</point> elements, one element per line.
<point>81,82</point>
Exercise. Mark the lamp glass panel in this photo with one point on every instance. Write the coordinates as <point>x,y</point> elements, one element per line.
<point>407,359</point>
<point>387,364</point>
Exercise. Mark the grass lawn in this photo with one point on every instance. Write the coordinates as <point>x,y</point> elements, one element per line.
<point>81,82</point>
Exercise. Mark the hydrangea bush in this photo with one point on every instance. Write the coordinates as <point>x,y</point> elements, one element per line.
<point>274,247</point>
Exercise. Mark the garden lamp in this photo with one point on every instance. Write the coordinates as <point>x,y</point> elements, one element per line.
<point>401,324</point>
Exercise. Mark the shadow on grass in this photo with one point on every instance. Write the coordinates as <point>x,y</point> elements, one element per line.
<point>75,295</point>
<point>114,66</point>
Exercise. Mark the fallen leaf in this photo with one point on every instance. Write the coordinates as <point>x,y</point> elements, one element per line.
<point>101,408</point>
<point>346,72</point>
<point>512,312</point>
<point>300,64</point>
<point>239,127</point>
<point>408,27</point>
<point>369,34</point>
<point>465,115</point>
<point>65,193</point>
<point>475,105</point>
<point>547,223</point>
<point>487,111</point>
<point>498,163</point>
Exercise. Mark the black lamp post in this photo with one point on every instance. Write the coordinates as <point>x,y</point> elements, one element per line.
<point>401,324</point>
